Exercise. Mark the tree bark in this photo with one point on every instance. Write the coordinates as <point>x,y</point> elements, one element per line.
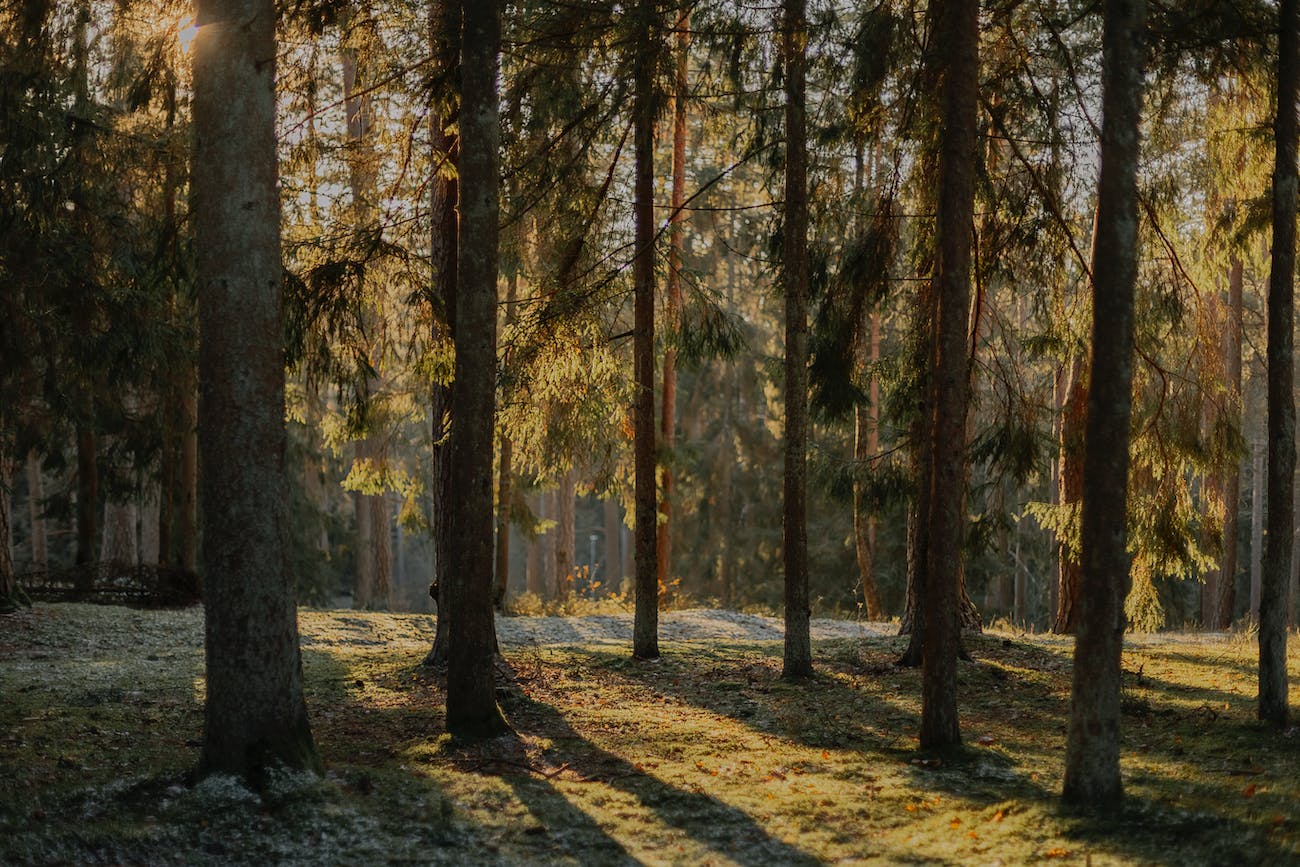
<point>645,630</point>
<point>255,714</point>
<point>8,576</point>
<point>472,710</point>
<point>87,505</point>
<point>1258,475</point>
<point>956,34</point>
<point>36,512</point>
<point>794,267</point>
<point>673,306</point>
<point>565,534</point>
<point>444,39</point>
<point>188,526</point>
<point>1092,777</point>
<point>613,575</point>
<point>1281,379</point>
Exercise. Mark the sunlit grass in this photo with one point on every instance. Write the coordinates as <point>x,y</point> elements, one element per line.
<point>705,756</point>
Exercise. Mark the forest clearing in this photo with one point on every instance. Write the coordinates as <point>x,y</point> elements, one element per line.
<point>704,756</point>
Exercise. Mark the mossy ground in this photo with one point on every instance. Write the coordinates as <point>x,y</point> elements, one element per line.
<point>705,756</point>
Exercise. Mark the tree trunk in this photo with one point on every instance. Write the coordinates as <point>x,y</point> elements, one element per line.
<point>1074,415</point>
<point>444,38</point>
<point>956,33</point>
<point>374,544</point>
<point>549,543</point>
<point>1281,379</point>
<point>8,577</point>
<point>565,534</point>
<point>866,446</point>
<point>36,511</point>
<point>645,630</point>
<point>612,577</point>
<point>534,580</point>
<point>188,527</point>
<point>118,547</point>
<point>255,715</point>
<point>1225,596</point>
<point>87,505</point>
<point>472,710</point>
<point>794,269</point>
<point>1259,454</point>
<point>673,308</point>
<point>1092,775</point>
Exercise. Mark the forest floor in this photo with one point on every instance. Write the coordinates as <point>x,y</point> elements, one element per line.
<point>703,757</point>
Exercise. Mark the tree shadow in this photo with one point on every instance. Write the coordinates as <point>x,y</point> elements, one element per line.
<point>716,825</point>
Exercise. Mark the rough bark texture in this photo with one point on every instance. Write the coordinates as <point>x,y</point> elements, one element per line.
<point>36,512</point>
<point>1092,777</point>
<point>673,299</point>
<point>8,578</point>
<point>645,630</point>
<point>87,502</point>
<point>794,266</point>
<point>1281,379</point>
<point>1258,474</point>
<point>255,715</point>
<point>472,710</point>
<point>118,546</point>
<point>187,528</point>
<point>956,33</point>
<point>534,581</point>
<point>1074,415</point>
<point>444,38</point>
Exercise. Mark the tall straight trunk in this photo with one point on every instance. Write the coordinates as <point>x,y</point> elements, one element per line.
<point>549,542</point>
<point>565,534</point>
<point>118,546</point>
<point>1225,596</point>
<point>534,580</point>
<point>794,265</point>
<point>673,306</point>
<point>472,710</point>
<point>1053,589</point>
<point>956,34</point>
<point>8,576</point>
<point>36,512</point>
<point>167,466</point>
<point>645,629</point>
<point>255,714</point>
<point>612,576</point>
<point>1092,775</point>
<point>374,545</point>
<point>866,445</point>
<point>87,504</point>
<point>1074,416</point>
<point>187,535</point>
<point>505,460</point>
<point>1259,456</point>
<point>444,38</point>
<point>1281,378</point>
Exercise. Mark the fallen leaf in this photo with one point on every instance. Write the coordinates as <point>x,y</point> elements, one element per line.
<point>1057,852</point>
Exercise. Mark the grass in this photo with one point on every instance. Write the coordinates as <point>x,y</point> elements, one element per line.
<point>704,757</point>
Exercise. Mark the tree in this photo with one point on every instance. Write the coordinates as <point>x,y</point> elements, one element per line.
<point>956,35</point>
<point>794,268</point>
<point>645,630</point>
<point>1092,776</point>
<point>673,308</point>
<point>472,710</point>
<point>255,714</point>
<point>1281,375</point>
